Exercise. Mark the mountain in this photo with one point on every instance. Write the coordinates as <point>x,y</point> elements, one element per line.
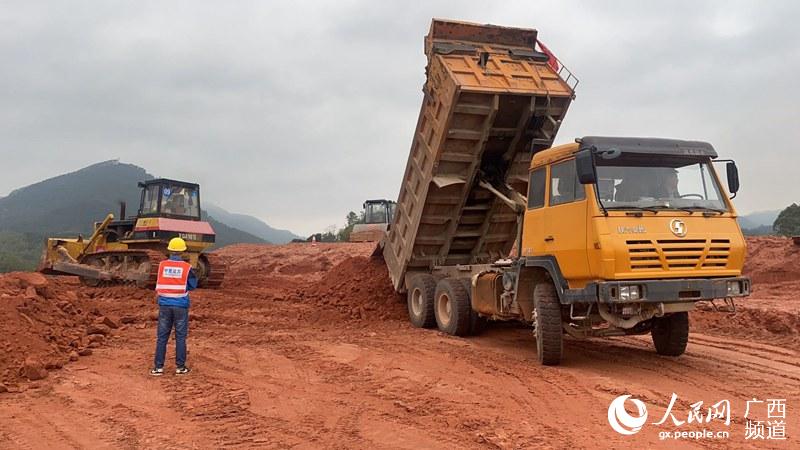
<point>68,204</point>
<point>759,222</point>
<point>251,225</point>
<point>227,235</point>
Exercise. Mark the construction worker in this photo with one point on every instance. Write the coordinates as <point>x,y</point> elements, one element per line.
<point>175,279</point>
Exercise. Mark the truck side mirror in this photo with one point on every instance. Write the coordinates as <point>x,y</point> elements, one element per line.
<point>584,164</point>
<point>733,177</point>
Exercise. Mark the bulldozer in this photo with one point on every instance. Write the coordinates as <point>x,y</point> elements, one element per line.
<point>378,214</point>
<point>128,250</point>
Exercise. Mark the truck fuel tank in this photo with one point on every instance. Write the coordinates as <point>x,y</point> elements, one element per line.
<point>486,293</point>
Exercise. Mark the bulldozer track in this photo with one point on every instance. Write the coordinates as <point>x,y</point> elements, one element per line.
<point>149,281</point>
<point>216,264</point>
<point>217,267</point>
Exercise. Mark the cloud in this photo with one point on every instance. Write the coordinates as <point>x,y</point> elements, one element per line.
<point>298,111</point>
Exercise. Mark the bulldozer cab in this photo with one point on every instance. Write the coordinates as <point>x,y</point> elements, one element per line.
<point>169,198</point>
<point>378,211</point>
<point>378,214</point>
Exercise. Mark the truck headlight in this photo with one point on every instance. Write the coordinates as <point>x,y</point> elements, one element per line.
<point>734,288</point>
<point>627,293</point>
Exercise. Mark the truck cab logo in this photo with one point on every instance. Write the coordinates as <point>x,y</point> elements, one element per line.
<point>637,229</point>
<point>677,227</point>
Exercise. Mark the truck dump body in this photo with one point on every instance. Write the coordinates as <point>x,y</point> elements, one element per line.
<point>491,101</point>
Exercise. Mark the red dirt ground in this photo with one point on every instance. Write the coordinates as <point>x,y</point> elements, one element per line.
<point>309,346</point>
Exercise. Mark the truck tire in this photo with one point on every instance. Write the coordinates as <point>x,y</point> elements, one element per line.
<point>549,334</point>
<point>671,334</point>
<point>452,307</point>
<point>421,290</point>
<point>477,324</point>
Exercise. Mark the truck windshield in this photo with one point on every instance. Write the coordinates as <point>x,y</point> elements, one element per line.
<point>687,185</point>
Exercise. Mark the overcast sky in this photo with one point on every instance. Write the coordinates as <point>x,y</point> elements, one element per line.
<point>295,112</point>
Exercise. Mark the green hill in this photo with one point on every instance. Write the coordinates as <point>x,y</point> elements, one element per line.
<point>68,204</point>
<point>19,251</point>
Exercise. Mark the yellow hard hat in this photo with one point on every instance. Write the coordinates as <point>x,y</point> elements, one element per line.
<point>176,245</point>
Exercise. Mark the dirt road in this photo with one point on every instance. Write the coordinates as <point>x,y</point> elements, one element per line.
<point>285,357</point>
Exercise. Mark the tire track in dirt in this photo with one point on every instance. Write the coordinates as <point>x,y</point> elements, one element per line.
<point>622,360</point>
<point>449,350</point>
<point>222,409</point>
<point>27,431</point>
<point>371,391</point>
<point>717,370</point>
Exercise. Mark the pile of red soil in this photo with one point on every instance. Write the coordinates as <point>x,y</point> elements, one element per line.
<point>772,259</point>
<point>46,322</point>
<point>360,288</point>
<point>275,269</point>
<point>770,313</point>
<point>776,327</point>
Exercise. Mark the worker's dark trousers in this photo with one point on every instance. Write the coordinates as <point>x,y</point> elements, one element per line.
<point>169,316</point>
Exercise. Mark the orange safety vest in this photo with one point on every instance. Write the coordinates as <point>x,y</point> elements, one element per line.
<point>172,278</point>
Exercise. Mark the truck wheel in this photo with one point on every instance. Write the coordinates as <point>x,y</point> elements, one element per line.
<point>671,333</point>
<point>477,324</point>
<point>452,307</point>
<point>549,336</point>
<point>421,290</point>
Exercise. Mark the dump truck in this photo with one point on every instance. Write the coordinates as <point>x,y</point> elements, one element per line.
<point>128,250</point>
<point>611,236</point>
<point>378,214</point>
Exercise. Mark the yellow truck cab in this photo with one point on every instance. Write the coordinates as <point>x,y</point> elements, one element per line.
<point>647,208</point>
<point>632,232</point>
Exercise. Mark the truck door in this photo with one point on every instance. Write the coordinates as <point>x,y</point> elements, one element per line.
<point>533,225</point>
<point>565,222</point>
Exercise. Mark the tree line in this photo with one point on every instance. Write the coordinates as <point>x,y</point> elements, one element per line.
<point>334,234</point>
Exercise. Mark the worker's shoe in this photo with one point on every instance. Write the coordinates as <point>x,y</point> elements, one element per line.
<point>182,370</point>
<point>157,371</point>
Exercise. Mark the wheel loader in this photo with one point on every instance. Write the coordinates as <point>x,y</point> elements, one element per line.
<point>128,250</point>
<point>378,214</point>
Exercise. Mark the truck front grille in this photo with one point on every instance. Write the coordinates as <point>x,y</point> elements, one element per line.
<point>678,254</point>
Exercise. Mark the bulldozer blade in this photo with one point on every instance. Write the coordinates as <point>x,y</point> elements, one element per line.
<point>92,273</point>
<point>81,270</point>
